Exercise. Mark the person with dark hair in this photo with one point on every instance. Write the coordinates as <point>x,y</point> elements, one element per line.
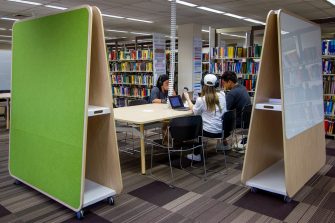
<point>211,105</point>
<point>237,97</point>
<point>159,93</point>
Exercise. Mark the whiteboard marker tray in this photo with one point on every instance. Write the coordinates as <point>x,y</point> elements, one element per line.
<point>96,110</point>
<point>271,179</point>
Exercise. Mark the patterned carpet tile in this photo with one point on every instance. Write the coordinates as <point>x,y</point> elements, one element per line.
<point>266,203</point>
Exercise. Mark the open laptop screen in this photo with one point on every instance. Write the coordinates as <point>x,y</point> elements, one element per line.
<point>176,101</point>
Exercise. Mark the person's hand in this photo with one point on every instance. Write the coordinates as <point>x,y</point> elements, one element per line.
<point>187,97</point>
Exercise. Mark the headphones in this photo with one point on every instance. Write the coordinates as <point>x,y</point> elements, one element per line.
<point>216,84</point>
<point>161,80</point>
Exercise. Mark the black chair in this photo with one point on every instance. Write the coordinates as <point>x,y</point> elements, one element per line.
<point>243,131</point>
<point>184,134</point>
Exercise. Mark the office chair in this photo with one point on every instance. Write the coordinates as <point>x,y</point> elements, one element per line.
<point>243,131</point>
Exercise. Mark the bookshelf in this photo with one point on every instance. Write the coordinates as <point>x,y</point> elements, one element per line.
<point>131,74</point>
<point>328,73</point>
<point>167,54</point>
<point>243,61</point>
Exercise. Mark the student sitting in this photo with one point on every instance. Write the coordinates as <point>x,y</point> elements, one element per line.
<point>211,106</point>
<point>159,93</point>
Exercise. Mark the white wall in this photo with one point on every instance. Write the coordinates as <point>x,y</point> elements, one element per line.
<point>5,69</point>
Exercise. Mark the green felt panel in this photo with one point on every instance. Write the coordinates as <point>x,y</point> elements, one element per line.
<point>48,103</point>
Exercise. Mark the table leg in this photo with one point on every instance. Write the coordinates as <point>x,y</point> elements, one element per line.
<point>142,149</point>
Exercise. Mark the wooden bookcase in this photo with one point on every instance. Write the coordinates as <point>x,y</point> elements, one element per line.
<point>283,154</point>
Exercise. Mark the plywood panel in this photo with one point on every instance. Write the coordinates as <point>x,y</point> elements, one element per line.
<point>265,142</point>
<point>102,160</point>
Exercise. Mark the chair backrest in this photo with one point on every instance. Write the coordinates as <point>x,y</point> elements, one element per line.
<point>246,115</point>
<point>185,128</point>
<point>137,102</point>
<point>228,122</point>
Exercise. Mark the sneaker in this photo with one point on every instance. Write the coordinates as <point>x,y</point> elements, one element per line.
<point>194,157</point>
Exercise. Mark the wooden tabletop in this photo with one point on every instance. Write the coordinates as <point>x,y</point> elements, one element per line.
<point>148,113</point>
<point>5,95</point>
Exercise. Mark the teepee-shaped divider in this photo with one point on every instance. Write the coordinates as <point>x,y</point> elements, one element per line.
<point>286,144</point>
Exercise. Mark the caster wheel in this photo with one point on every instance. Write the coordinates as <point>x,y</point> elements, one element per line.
<point>17,182</point>
<point>80,214</point>
<point>287,199</point>
<point>111,201</point>
<point>253,189</point>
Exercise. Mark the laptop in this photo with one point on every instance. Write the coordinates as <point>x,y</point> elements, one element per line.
<point>177,103</point>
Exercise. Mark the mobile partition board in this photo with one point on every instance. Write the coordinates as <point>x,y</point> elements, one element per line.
<point>286,144</point>
<point>63,139</point>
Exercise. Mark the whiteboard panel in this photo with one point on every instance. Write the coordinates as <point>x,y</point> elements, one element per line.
<point>301,68</point>
<point>5,69</point>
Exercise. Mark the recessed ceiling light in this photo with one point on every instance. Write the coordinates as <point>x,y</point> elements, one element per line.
<point>233,15</point>
<point>185,3</point>
<point>227,34</point>
<point>113,16</point>
<point>139,20</point>
<point>140,33</point>
<point>10,19</point>
<point>3,29</point>
<point>55,7</point>
<point>254,21</point>
<point>331,1</point>
<point>26,2</point>
<point>206,31</point>
<point>117,31</point>
<point>5,36</point>
<point>210,9</point>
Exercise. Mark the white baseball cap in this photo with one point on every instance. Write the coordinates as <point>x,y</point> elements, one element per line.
<point>210,80</point>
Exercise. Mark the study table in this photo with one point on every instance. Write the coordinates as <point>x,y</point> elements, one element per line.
<point>7,97</point>
<point>146,114</point>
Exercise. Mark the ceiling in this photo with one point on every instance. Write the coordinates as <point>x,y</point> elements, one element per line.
<point>158,11</point>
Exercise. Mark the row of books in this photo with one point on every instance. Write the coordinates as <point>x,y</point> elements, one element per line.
<point>329,127</point>
<point>249,67</point>
<point>228,52</point>
<point>205,57</point>
<point>329,107</point>
<point>328,47</point>
<point>130,91</point>
<point>254,51</point>
<point>131,66</point>
<point>249,82</point>
<point>328,66</point>
<point>131,55</point>
<point>329,84</point>
<point>142,79</point>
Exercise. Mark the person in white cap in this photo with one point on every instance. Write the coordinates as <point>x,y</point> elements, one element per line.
<point>211,105</point>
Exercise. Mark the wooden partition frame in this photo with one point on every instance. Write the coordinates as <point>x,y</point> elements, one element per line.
<point>302,155</point>
<point>83,166</point>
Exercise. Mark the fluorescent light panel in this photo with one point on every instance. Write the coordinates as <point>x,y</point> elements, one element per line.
<point>5,36</point>
<point>3,29</point>
<point>227,34</point>
<point>7,18</point>
<point>139,20</point>
<point>185,3</point>
<point>210,9</point>
<point>26,2</point>
<point>206,31</point>
<point>140,33</point>
<point>55,7</point>
<point>113,16</point>
<point>116,31</point>
<point>331,1</point>
<point>254,21</point>
<point>233,15</point>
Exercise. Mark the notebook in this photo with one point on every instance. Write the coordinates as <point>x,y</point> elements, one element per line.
<point>177,103</point>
